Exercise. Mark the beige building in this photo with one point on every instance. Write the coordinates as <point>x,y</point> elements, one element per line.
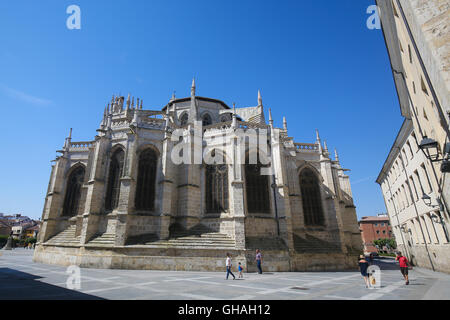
<point>417,38</point>
<point>124,200</point>
<point>419,232</point>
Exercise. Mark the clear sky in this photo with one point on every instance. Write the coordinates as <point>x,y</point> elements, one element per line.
<point>315,62</point>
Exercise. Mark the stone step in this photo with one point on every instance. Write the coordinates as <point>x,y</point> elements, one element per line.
<point>314,245</point>
<point>189,245</point>
<point>65,237</point>
<point>190,238</point>
<point>105,239</point>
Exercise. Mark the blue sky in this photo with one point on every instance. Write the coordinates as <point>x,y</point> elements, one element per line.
<point>315,62</point>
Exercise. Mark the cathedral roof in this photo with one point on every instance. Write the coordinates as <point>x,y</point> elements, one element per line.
<point>198,98</point>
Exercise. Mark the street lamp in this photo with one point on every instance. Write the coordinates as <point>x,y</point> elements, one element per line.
<point>431,146</point>
<point>426,198</point>
<point>432,154</point>
<point>436,218</point>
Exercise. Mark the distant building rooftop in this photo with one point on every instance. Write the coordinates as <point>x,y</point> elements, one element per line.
<point>377,218</point>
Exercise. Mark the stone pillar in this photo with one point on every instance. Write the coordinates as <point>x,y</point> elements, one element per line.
<point>281,188</point>
<point>127,190</point>
<point>95,188</point>
<point>168,171</point>
<point>189,190</point>
<point>54,199</point>
<point>237,191</point>
<point>334,201</point>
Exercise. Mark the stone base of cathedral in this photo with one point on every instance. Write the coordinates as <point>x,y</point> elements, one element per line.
<point>185,259</point>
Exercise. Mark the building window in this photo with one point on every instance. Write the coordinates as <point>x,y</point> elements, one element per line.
<point>145,187</point>
<point>216,188</point>
<point>206,120</point>
<point>73,192</point>
<point>410,150</point>
<point>424,87</point>
<point>257,188</point>
<point>428,182</point>
<point>184,119</point>
<point>410,54</point>
<point>113,187</point>
<point>312,202</point>
<point>395,9</point>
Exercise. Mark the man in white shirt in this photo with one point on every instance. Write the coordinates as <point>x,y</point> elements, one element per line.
<point>229,264</point>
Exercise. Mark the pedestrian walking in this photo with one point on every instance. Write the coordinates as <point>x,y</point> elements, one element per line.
<point>240,271</point>
<point>404,264</point>
<point>363,266</point>
<point>258,260</point>
<point>229,265</point>
<point>370,258</point>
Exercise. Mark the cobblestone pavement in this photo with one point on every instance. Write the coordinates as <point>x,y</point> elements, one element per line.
<point>20,278</point>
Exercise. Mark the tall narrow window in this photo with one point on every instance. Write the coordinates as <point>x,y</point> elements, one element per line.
<point>409,53</point>
<point>73,192</point>
<point>257,188</point>
<point>206,120</point>
<point>113,187</point>
<point>184,119</point>
<point>216,188</point>
<point>146,180</point>
<point>312,203</point>
<point>424,87</point>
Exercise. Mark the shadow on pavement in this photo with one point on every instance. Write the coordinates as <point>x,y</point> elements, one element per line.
<point>17,285</point>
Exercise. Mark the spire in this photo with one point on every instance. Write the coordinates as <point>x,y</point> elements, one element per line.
<point>68,141</point>
<point>137,103</point>
<point>128,102</point>
<point>270,117</point>
<point>336,156</point>
<point>132,103</point>
<point>173,97</point>
<point>318,142</point>
<point>325,147</point>
<point>284,124</point>
<point>167,118</point>
<point>193,88</point>
<point>234,119</point>
<point>259,99</point>
<point>193,108</point>
<point>142,101</point>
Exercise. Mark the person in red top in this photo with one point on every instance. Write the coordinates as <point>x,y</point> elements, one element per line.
<point>403,266</point>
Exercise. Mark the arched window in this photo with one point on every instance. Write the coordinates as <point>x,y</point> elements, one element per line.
<point>184,119</point>
<point>312,203</point>
<point>73,192</point>
<point>257,188</point>
<point>206,120</point>
<point>216,188</point>
<point>115,172</point>
<point>146,180</point>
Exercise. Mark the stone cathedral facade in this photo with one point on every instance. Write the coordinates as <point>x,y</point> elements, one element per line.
<point>123,200</point>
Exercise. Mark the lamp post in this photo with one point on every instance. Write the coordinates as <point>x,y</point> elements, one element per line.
<point>437,218</point>
<point>430,148</point>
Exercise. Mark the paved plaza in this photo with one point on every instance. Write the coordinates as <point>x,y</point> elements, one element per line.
<point>20,278</point>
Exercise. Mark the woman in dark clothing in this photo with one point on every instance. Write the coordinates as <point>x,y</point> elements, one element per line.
<point>363,265</point>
